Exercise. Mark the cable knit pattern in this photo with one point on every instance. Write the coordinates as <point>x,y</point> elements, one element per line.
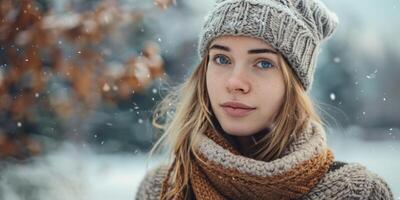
<point>229,175</point>
<point>293,27</point>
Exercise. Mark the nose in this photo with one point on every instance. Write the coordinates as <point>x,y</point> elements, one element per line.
<point>238,82</point>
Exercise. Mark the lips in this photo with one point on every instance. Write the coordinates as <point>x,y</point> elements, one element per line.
<point>236,109</point>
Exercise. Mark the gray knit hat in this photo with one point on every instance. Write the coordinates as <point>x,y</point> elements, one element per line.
<point>293,27</point>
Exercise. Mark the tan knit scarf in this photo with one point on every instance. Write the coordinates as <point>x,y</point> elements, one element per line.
<point>229,175</point>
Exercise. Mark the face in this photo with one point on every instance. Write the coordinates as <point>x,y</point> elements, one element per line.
<point>245,84</point>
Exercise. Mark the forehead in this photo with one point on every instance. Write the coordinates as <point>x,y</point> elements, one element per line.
<point>240,42</point>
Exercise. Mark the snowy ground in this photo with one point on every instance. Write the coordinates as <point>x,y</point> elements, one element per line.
<point>74,173</point>
<point>79,174</point>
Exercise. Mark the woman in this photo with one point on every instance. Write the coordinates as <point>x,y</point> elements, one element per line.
<point>243,125</point>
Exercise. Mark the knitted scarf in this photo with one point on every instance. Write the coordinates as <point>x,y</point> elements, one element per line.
<point>225,174</point>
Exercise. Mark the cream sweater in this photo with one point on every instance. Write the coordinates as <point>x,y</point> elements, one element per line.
<point>341,181</point>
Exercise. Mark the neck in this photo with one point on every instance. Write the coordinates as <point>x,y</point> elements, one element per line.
<point>241,143</point>
<point>246,142</point>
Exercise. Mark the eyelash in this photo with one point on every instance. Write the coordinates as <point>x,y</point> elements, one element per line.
<point>219,56</point>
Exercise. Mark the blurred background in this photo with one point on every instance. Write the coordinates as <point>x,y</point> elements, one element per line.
<point>79,80</point>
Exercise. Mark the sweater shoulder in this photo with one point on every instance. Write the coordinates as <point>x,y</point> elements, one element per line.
<point>150,186</point>
<point>351,181</point>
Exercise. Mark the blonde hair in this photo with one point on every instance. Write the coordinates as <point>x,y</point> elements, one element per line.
<point>186,112</point>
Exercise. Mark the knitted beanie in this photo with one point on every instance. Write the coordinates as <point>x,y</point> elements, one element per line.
<point>293,27</point>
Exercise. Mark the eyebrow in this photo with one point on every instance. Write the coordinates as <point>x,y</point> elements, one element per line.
<point>251,51</point>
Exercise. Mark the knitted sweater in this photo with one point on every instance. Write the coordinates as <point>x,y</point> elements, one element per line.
<point>351,181</point>
<point>341,180</point>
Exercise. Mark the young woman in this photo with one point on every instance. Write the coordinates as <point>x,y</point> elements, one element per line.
<point>243,126</point>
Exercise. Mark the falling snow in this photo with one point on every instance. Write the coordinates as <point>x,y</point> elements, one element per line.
<point>372,75</point>
<point>332,96</point>
<point>106,87</point>
<point>336,60</point>
<point>366,92</point>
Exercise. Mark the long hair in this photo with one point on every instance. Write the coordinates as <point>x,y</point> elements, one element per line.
<point>186,112</point>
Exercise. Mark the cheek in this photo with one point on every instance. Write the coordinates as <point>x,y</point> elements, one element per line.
<point>277,91</point>
<point>272,96</point>
<point>276,86</point>
<point>212,82</point>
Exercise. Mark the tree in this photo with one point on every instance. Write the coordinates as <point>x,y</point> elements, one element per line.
<point>58,68</point>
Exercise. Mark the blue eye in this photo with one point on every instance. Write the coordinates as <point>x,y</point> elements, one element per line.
<point>264,64</point>
<point>222,60</point>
